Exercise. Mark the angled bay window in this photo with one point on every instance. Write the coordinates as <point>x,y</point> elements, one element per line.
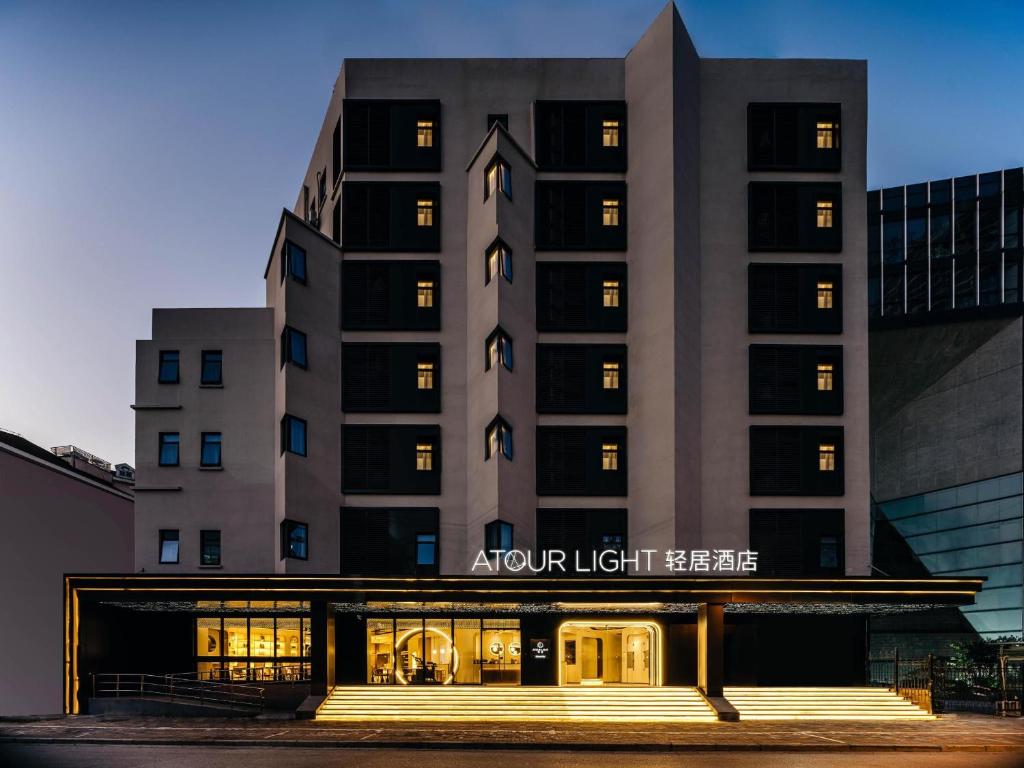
<point>293,435</point>
<point>498,176</point>
<point>212,368</point>
<point>170,444</point>
<point>498,536</point>
<point>498,439</point>
<point>293,262</point>
<point>293,347</point>
<point>169,372</point>
<point>294,540</point>
<point>210,454</point>
<point>498,349</point>
<point>498,261</point>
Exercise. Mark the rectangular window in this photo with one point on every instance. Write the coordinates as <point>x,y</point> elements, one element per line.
<point>424,375</point>
<point>610,213</point>
<point>212,373</point>
<point>294,540</point>
<point>426,549</point>
<point>210,454</point>
<point>498,535</point>
<point>609,133</point>
<point>424,133</point>
<point>424,213</point>
<point>824,209</point>
<point>581,461</point>
<point>824,295</point>
<point>424,294</point>
<point>169,546</point>
<point>293,262</point>
<point>169,368</point>
<point>824,377</point>
<point>610,456</point>
<point>610,289</point>
<point>828,552</point>
<point>797,542</point>
<point>169,445</point>
<point>321,186</point>
<point>209,547</point>
<point>293,347</point>
<point>611,375</point>
<point>424,457</point>
<point>793,136</point>
<point>293,435</point>
<point>826,135</point>
<point>826,457</point>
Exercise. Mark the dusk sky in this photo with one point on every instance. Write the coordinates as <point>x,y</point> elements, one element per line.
<point>146,149</point>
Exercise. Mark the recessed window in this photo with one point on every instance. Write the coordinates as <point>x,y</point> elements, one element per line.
<point>824,295</point>
<point>499,261</point>
<point>293,347</point>
<point>424,457</point>
<point>424,294</point>
<point>424,213</point>
<point>209,547</point>
<point>321,186</point>
<point>611,375</point>
<point>824,219</point>
<point>824,377</point>
<point>610,289</point>
<point>293,435</point>
<point>169,552</point>
<point>499,439</point>
<point>610,133</point>
<point>212,373</point>
<point>610,213</point>
<point>827,136</point>
<point>293,262</point>
<point>827,457</point>
<point>170,443</point>
<point>426,548</point>
<point>610,457</point>
<point>498,535</point>
<point>499,349</point>
<point>498,176</point>
<point>169,367</point>
<point>210,453</point>
<point>828,552</point>
<point>294,540</point>
<point>425,375</point>
<point>424,133</point>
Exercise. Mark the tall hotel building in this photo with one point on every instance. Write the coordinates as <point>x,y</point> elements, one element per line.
<point>533,304</point>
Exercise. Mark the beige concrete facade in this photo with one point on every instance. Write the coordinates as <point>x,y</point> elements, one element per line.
<point>687,335</point>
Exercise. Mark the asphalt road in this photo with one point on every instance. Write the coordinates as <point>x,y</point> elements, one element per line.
<point>131,756</point>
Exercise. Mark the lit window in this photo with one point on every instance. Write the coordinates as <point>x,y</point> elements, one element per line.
<point>499,439</point>
<point>209,455</point>
<point>424,213</point>
<point>827,138</point>
<point>499,261</point>
<point>824,295</point>
<point>424,457</point>
<point>610,456</point>
<point>212,366</point>
<point>610,213</point>
<point>170,443</point>
<point>169,367</point>
<point>611,293</point>
<point>498,176</point>
<point>498,349</point>
<point>424,375</point>
<point>610,133</point>
<point>169,546</point>
<point>824,377</point>
<point>824,214</point>
<point>424,293</point>
<point>826,457</point>
<point>424,133</point>
<point>611,375</point>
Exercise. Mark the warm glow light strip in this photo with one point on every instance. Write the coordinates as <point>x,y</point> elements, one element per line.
<point>653,627</point>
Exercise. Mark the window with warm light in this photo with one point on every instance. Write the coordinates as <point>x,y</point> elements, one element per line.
<point>826,457</point>
<point>610,290</point>
<point>424,213</point>
<point>610,133</point>
<point>424,133</point>
<point>498,350</point>
<point>611,375</point>
<point>424,293</point>
<point>827,137</point>
<point>499,439</point>
<point>610,456</point>
<point>824,377</point>
<point>824,295</point>
<point>424,457</point>
<point>610,213</point>
<point>498,176</point>
<point>424,375</point>
<point>824,209</point>
<point>499,261</point>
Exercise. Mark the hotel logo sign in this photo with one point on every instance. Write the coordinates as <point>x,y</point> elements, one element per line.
<point>616,561</point>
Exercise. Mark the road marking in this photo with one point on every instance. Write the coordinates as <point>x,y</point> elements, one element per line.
<point>819,736</point>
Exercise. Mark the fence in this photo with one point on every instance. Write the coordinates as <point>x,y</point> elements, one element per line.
<point>180,688</point>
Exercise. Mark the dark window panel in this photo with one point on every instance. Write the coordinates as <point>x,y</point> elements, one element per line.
<point>798,542</point>
<point>169,371</point>
<point>582,296</point>
<point>581,378</point>
<point>796,379</point>
<point>794,298</point>
<point>794,461</point>
<point>581,531</point>
<point>917,288</point>
<point>965,281</point>
<point>571,461</point>
<point>794,136</point>
<point>391,459</point>
<point>212,367</point>
<point>385,296</point>
<point>580,135</point>
<point>389,541</point>
<point>391,135</point>
<point>391,216</point>
<point>892,289</point>
<point>795,216</point>
<point>388,378</point>
<point>580,215</point>
<point>942,284</point>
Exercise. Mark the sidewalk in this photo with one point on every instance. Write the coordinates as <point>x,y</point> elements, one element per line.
<point>948,733</point>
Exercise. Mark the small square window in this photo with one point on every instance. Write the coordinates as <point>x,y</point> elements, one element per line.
<point>610,457</point>
<point>424,375</point>
<point>824,377</point>
<point>426,548</point>
<point>610,213</point>
<point>611,375</point>
<point>824,208</point>
<point>824,295</point>
<point>169,367</point>
<point>170,443</point>
<point>169,546</point>
<point>424,457</point>
<point>424,133</point>
<point>826,136</point>
<point>826,457</point>
<point>210,453</point>
<point>424,213</point>
<point>424,294</point>
<point>293,435</point>
<point>610,133</point>
<point>212,373</point>
<point>294,540</point>
<point>209,547</point>
<point>610,289</point>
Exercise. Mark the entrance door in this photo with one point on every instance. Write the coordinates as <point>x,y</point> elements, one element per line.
<point>609,653</point>
<point>593,659</point>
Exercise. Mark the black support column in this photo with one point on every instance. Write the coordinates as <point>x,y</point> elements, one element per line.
<point>710,651</point>
<point>322,648</point>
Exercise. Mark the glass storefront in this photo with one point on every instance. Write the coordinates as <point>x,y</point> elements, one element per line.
<point>609,653</point>
<point>252,647</point>
<point>443,651</point>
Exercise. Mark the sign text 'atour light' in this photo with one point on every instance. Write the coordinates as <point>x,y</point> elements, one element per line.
<point>616,561</point>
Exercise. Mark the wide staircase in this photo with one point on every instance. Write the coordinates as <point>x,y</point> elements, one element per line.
<point>478,703</point>
<point>822,704</point>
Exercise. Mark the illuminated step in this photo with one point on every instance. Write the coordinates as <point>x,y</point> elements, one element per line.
<point>822,704</point>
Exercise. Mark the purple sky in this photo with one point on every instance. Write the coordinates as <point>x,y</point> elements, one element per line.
<point>146,149</point>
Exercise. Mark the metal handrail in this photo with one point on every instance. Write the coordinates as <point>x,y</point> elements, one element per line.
<point>176,688</point>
